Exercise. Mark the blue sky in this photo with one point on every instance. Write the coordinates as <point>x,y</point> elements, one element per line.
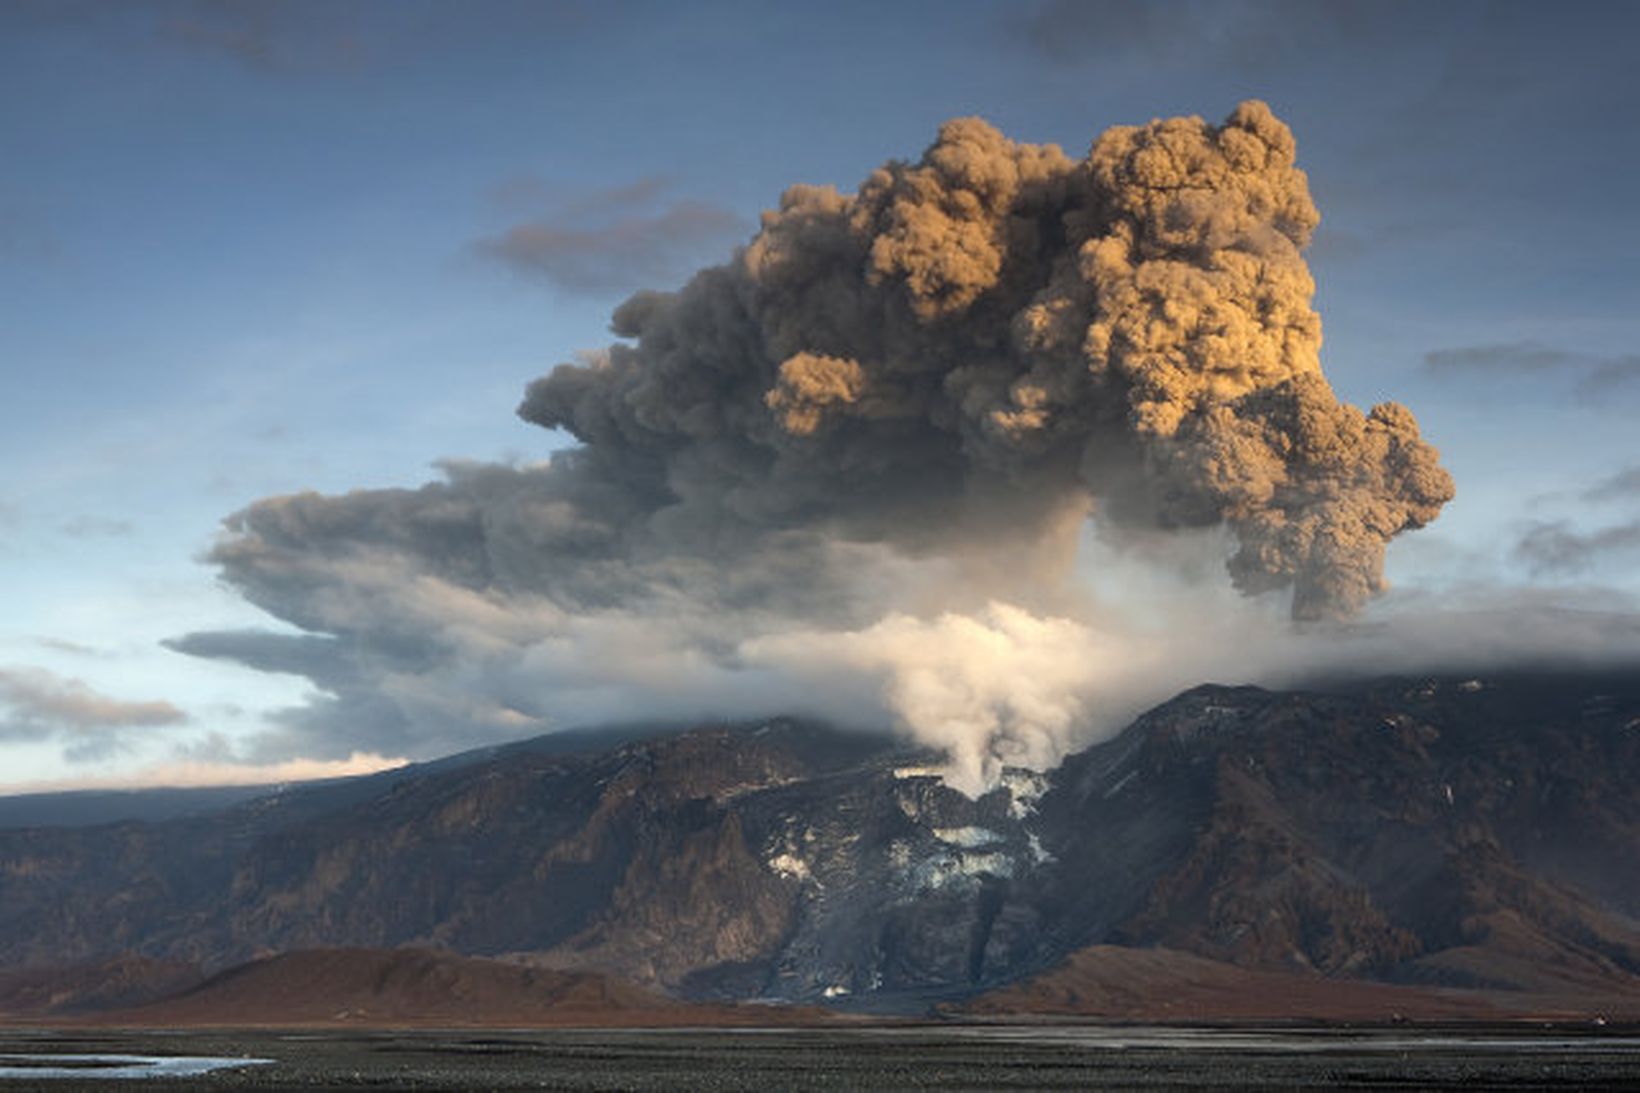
<point>257,248</point>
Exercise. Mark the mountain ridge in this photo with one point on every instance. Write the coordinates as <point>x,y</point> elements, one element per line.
<point>1432,832</point>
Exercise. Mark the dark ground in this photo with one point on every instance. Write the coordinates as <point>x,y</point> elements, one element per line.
<point>998,1057</point>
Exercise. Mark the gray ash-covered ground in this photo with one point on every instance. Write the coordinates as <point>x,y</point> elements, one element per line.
<point>905,1057</point>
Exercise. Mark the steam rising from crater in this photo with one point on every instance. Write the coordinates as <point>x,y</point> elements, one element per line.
<point>894,405</point>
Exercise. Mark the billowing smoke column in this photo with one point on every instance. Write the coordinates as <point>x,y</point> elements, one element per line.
<point>890,405</point>
<point>1134,329</point>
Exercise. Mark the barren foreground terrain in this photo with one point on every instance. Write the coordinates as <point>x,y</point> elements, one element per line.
<point>963,1057</point>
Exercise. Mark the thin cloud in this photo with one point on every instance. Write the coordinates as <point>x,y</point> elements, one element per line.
<point>39,705</point>
<point>288,36</point>
<point>1066,32</point>
<point>194,772</point>
<point>607,241</point>
<point>1624,484</point>
<point>95,527</point>
<point>1610,376</point>
<point>1554,547</point>
<point>244,34</point>
<point>73,648</point>
<point>1597,376</point>
<point>37,696</point>
<point>1522,356</point>
<point>1238,36</point>
<point>531,193</point>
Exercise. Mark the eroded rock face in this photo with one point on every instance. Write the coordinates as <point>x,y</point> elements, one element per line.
<point>1461,832</point>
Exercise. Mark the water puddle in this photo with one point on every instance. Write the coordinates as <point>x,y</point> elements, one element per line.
<point>118,1066</point>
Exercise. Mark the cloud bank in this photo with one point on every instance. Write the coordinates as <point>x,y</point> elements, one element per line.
<point>861,463</point>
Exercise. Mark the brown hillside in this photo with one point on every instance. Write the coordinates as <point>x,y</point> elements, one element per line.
<point>1164,985</point>
<point>401,987</point>
<point>124,981</point>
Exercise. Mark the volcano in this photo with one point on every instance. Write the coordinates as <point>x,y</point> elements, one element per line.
<point>1431,846</point>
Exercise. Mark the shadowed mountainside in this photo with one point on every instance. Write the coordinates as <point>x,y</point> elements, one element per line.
<point>1432,833</point>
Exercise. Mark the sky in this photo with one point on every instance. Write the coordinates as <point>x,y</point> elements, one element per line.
<point>256,249</point>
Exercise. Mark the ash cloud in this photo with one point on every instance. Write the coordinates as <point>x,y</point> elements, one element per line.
<point>886,431</point>
<point>998,319</point>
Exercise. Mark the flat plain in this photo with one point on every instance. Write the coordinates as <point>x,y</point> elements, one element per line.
<point>894,1057</point>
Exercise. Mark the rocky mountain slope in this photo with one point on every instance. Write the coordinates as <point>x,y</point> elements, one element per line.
<point>1431,833</point>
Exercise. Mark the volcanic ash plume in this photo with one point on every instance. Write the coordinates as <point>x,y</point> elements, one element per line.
<point>1135,327</point>
<point>901,402</point>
